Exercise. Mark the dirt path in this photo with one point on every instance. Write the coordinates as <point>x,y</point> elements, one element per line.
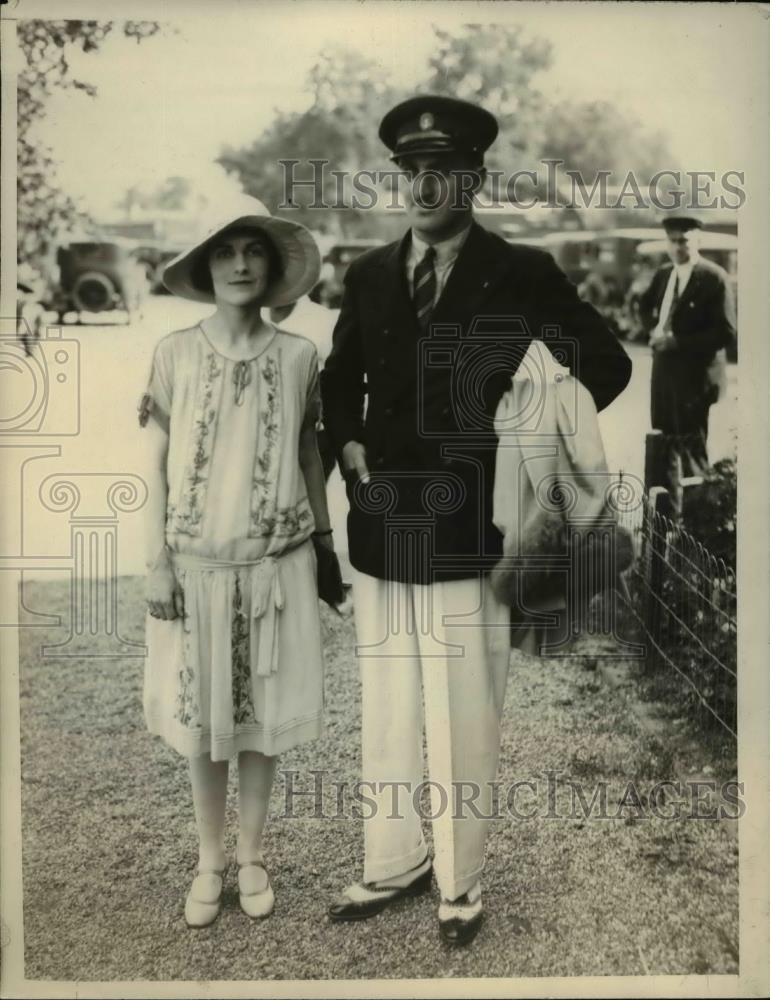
<point>109,842</point>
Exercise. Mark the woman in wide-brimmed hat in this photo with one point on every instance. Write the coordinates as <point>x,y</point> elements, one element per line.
<point>236,490</point>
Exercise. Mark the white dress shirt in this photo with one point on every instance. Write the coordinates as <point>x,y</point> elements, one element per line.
<point>681,273</point>
<point>446,255</point>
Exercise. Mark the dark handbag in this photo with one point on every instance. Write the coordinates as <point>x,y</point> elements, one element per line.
<point>329,575</point>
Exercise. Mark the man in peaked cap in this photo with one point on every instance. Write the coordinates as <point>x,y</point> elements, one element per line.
<point>689,310</point>
<point>431,329</point>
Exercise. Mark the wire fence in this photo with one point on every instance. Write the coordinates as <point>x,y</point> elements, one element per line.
<point>682,601</point>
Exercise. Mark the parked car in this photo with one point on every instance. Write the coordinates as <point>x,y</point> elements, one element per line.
<point>96,277</point>
<point>336,262</point>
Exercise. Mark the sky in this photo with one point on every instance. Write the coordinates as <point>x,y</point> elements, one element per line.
<point>169,105</point>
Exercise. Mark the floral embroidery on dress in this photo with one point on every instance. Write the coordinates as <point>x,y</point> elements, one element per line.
<point>243,706</point>
<point>291,520</point>
<point>265,479</point>
<point>187,710</point>
<point>188,514</point>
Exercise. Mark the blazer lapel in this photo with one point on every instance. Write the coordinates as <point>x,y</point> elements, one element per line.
<point>394,289</point>
<point>478,268</point>
<point>690,290</point>
<point>662,277</point>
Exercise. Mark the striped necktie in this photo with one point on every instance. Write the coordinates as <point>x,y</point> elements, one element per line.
<point>425,288</point>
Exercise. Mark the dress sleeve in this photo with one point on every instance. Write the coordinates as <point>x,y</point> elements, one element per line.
<point>156,401</point>
<point>312,393</point>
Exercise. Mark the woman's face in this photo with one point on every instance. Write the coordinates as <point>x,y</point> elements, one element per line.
<point>240,266</point>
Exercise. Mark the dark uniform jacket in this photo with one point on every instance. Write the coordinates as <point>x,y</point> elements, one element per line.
<point>426,514</point>
<point>684,381</point>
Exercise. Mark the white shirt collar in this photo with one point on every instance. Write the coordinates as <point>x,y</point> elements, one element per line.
<point>446,251</point>
<point>685,270</point>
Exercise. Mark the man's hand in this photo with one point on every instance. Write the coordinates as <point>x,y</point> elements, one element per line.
<point>354,459</point>
<point>163,593</point>
<point>660,341</point>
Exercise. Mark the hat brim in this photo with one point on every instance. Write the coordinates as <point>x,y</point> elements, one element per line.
<point>681,223</point>
<point>299,254</point>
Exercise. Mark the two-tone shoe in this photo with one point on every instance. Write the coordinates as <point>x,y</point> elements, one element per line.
<point>459,920</point>
<point>366,899</point>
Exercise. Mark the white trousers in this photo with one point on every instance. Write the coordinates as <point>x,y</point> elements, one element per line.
<point>451,640</point>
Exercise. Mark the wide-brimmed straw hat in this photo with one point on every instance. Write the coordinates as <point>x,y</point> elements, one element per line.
<point>298,252</point>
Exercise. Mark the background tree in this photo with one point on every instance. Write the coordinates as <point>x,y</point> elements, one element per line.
<point>349,94</point>
<point>171,195</point>
<point>496,66</point>
<point>45,212</point>
<point>596,135</point>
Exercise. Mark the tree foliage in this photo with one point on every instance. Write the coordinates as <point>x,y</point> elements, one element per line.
<point>591,136</point>
<point>497,66</point>
<point>494,65</point>
<point>45,211</point>
<point>349,94</point>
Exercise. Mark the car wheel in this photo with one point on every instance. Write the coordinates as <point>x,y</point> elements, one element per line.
<point>93,292</point>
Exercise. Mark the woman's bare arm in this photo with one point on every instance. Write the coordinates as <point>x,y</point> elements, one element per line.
<point>164,595</point>
<point>312,470</point>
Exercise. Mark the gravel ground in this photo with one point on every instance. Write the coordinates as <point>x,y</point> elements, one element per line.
<point>110,848</point>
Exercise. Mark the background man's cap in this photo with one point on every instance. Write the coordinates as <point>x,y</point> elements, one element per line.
<point>680,223</point>
<point>433,124</point>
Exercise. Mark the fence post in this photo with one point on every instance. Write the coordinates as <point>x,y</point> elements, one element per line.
<point>655,460</point>
<point>691,488</point>
<point>663,467</point>
<point>658,507</point>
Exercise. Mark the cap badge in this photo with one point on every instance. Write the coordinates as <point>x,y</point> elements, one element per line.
<point>426,121</point>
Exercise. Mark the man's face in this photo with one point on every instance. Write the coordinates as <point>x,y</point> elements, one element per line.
<point>438,191</point>
<point>682,247</point>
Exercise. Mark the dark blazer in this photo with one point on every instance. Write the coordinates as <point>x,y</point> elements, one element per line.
<point>428,425</point>
<point>686,378</point>
<point>704,318</point>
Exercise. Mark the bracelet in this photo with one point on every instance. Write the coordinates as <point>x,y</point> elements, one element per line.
<point>320,534</point>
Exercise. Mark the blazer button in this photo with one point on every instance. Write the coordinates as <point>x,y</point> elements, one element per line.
<point>389,411</point>
<point>381,362</point>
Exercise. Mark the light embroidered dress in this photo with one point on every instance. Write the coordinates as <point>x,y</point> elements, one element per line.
<point>243,669</point>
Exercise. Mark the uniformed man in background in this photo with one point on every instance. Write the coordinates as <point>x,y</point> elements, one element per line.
<point>690,312</point>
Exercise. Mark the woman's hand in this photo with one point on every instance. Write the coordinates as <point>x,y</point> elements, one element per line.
<point>164,596</point>
<point>326,540</point>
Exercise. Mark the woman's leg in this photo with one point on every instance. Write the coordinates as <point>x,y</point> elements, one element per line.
<point>255,782</point>
<point>209,788</point>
